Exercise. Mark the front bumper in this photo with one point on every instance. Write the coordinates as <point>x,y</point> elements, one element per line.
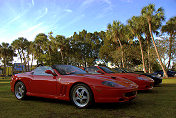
<point>146,85</point>
<point>103,95</point>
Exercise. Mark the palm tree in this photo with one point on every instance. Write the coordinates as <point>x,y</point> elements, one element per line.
<point>31,51</point>
<point>28,51</point>
<point>58,44</point>
<point>40,43</point>
<point>151,15</point>
<point>170,29</point>
<point>116,33</point>
<point>136,28</point>
<point>6,53</point>
<point>16,46</point>
<point>21,45</point>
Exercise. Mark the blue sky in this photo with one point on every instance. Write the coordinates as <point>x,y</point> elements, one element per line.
<point>27,18</point>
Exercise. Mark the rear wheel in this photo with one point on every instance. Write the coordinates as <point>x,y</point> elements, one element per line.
<point>81,96</point>
<point>20,90</point>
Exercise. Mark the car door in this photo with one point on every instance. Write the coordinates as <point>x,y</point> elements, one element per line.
<point>43,83</point>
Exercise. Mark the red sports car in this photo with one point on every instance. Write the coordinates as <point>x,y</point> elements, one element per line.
<point>66,82</point>
<point>144,83</point>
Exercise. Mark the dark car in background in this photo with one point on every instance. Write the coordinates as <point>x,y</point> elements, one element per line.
<point>157,79</point>
<point>170,73</point>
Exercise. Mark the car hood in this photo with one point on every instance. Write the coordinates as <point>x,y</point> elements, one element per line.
<point>131,76</point>
<point>119,80</point>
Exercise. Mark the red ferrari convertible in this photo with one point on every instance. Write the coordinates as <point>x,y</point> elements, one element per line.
<point>144,83</point>
<point>66,82</point>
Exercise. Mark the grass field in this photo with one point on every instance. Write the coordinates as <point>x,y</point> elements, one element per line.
<point>157,103</point>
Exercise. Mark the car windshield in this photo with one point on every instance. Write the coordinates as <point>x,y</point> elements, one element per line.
<point>107,70</point>
<point>124,70</point>
<point>68,69</point>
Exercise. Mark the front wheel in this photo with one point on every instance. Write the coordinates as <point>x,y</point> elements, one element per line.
<point>20,90</point>
<point>81,96</point>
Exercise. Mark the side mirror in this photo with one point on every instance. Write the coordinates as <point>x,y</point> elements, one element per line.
<point>98,71</point>
<point>50,72</point>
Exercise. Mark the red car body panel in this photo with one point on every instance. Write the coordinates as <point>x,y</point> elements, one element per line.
<point>58,87</point>
<point>142,84</point>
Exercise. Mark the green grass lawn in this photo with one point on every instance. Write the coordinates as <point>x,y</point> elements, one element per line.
<point>157,103</point>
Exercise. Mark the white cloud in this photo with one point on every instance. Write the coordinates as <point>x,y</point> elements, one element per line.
<point>108,2</point>
<point>14,19</point>
<point>87,2</point>
<point>46,10</point>
<point>42,13</point>
<point>32,28</point>
<point>32,2</point>
<point>69,24</point>
<point>106,10</point>
<point>29,33</point>
<point>68,10</point>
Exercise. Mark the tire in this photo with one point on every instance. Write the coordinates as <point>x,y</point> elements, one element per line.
<point>20,90</point>
<point>81,96</point>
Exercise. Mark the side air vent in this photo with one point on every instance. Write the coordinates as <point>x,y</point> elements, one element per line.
<point>63,90</point>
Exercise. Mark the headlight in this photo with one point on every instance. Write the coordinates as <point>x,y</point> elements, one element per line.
<point>153,75</point>
<point>111,84</point>
<point>158,75</point>
<point>145,78</point>
<point>141,78</point>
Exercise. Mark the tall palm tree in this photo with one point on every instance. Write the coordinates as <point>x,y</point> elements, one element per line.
<point>21,45</point>
<point>151,15</point>
<point>60,41</point>
<point>146,32</point>
<point>6,53</point>
<point>170,29</point>
<point>31,50</point>
<point>16,46</point>
<point>58,44</point>
<point>40,43</point>
<point>136,28</point>
<point>116,33</point>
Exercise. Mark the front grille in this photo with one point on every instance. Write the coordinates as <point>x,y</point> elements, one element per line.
<point>129,94</point>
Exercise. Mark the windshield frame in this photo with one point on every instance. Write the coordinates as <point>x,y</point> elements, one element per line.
<point>68,70</point>
<point>106,70</point>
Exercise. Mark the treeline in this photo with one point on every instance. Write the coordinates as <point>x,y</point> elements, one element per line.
<point>125,45</point>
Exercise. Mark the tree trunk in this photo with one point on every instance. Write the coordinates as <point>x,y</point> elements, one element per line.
<point>20,55</point>
<point>32,60</point>
<point>28,66</point>
<point>24,58</point>
<point>170,50</point>
<point>121,46</point>
<point>62,56</point>
<point>5,66</point>
<point>150,29</point>
<point>142,54</point>
<point>49,52</point>
<point>149,66</point>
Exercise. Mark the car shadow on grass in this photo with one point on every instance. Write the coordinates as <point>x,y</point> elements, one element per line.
<point>148,91</point>
<point>48,100</point>
<point>94,106</point>
<point>110,106</point>
<point>169,85</point>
